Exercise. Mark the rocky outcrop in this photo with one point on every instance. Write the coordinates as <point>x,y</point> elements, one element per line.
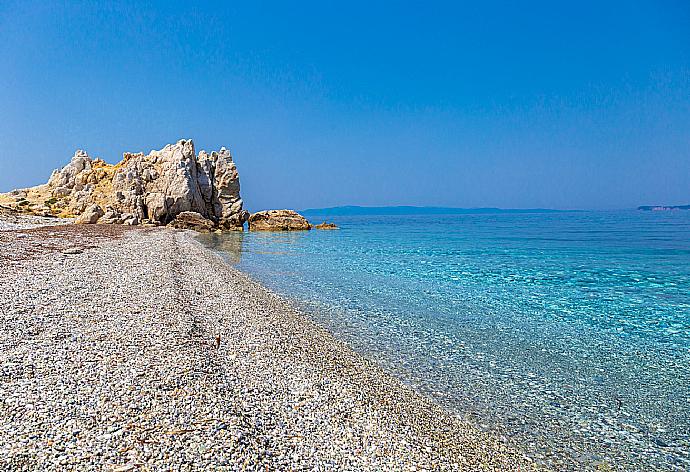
<point>325,225</point>
<point>192,220</point>
<point>153,188</point>
<point>278,220</point>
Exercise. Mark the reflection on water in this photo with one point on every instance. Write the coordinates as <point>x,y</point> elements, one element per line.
<point>569,332</point>
<point>232,244</point>
<point>229,244</point>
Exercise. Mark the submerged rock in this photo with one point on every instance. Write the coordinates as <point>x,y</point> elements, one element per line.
<point>153,188</point>
<point>278,220</point>
<point>326,225</point>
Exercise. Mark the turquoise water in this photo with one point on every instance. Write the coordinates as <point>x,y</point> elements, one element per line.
<point>567,333</point>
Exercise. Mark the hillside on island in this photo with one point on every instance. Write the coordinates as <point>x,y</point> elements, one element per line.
<point>663,207</point>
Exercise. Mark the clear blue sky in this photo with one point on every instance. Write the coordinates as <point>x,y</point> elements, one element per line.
<point>510,104</point>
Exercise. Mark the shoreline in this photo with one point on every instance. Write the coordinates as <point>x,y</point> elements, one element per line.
<point>147,349</point>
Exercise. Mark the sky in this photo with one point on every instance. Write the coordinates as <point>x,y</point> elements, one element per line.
<point>465,104</point>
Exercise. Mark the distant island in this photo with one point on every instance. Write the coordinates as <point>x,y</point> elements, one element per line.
<point>415,210</point>
<point>663,207</point>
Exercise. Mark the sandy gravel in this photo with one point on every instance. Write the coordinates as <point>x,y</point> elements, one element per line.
<point>141,350</point>
<point>10,219</point>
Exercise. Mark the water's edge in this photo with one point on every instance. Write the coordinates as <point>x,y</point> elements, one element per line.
<point>528,351</point>
<point>317,316</point>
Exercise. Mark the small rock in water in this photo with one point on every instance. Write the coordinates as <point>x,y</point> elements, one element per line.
<point>661,443</point>
<point>73,250</point>
<point>326,225</point>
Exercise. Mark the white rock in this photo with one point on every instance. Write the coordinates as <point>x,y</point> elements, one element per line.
<point>155,187</point>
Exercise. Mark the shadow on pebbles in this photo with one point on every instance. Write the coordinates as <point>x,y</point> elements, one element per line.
<point>127,349</point>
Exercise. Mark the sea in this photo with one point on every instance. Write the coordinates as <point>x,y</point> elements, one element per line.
<point>566,333</point>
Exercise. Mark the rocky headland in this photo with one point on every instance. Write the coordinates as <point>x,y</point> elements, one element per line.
<point>141,189</point>
<point>173,186</point>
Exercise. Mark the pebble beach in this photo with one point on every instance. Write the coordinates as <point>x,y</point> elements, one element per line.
<point>138,349</point>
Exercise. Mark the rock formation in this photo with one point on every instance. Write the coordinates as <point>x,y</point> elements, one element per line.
<point>278,220</point>
<point>153,188</point>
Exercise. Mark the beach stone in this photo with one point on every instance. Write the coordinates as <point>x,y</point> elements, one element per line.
<point>130,219</point>
<point>90,215</point>
<point>110,217</point>
<point>192,220</point>
<point>278,220</point>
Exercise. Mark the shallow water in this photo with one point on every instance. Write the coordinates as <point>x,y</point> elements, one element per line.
<point>567,332</point>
